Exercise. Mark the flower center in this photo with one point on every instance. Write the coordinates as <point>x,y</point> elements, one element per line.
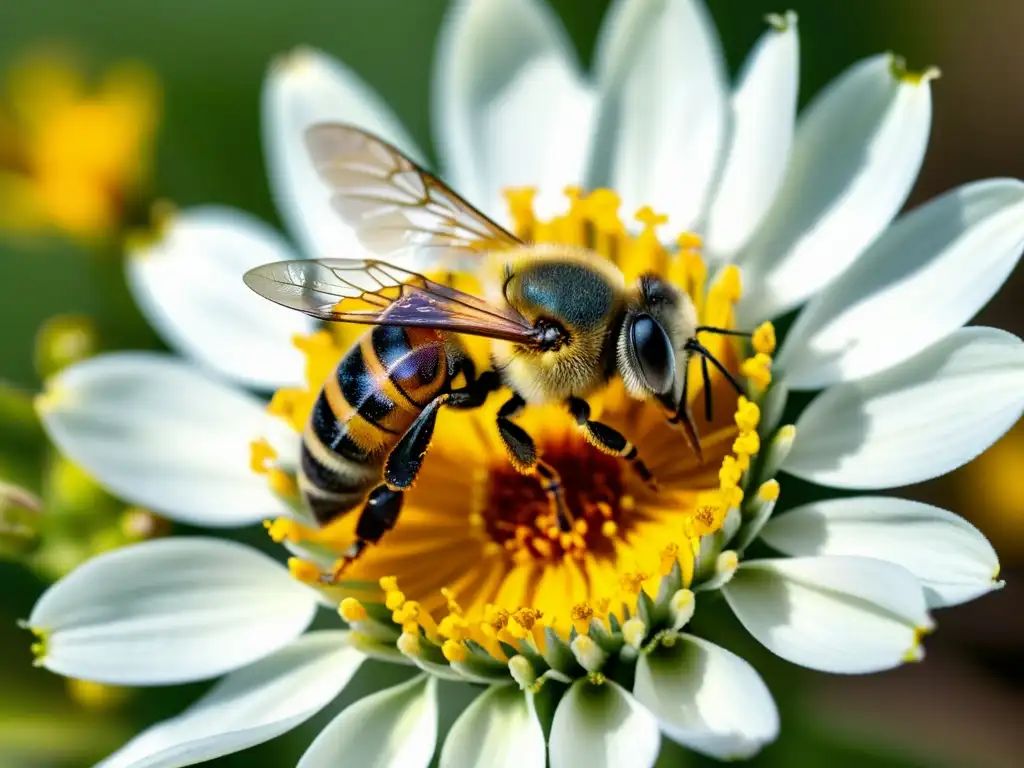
<point>484,554</point>
<point>518,514</point>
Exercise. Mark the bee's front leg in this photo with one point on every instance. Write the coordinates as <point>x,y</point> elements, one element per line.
<point>608,440</point>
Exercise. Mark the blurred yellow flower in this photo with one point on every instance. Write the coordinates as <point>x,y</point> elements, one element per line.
<point>74,154</point>
<point>991,491</point>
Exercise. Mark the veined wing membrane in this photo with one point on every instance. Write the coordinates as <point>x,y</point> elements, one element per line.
<point>378,293</point>
<point>399,210</point>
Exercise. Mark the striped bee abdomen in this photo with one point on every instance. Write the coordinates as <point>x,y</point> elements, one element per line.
<point>365,406</point>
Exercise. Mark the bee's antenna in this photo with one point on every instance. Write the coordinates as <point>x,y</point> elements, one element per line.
<point>705,354</point>
<point>709,408</point>
<point>722,331</point>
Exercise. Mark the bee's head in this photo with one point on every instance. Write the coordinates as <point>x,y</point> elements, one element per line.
<point>659,320</point>
<point>569,302</point>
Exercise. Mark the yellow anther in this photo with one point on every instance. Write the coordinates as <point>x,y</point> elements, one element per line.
<point>769,491</point>
<point>730,284</point>
<point>690,241</point>
<point>730,473</point>
<point>631,582</point>
<point>522,622</point>
<point>303,570</point>
<point>454,627</point>
<point>394,600</point>
<point>351,610</point>
<point>747,416</point>
<point>261,456</point>
<point>454,651</point>
<point>650,219</point>
<point>581,614</point>
<point>668,558</point>
<point>581,527</point>
<point>758,370</point>
<point>388,583</point>
<point>704,518</point>
<point>449,596</point>
<point>609,529</point>
<point>476,520</point>
<point>282,529</point>
<point>627,503</point>
<point>543,546</point>
<point>283,484</point>
<point>748,443</point>
<point>763,339</point>
<point>731,498</point>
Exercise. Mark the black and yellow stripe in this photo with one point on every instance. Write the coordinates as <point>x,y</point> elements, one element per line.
<point>378,389</point>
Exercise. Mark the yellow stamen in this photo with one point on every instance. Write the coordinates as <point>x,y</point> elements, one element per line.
<point>261,456</point>
<point>581,615</point>
<point>769,490</point>
<point>748,415</point>
<point>763,339</point>
<point>454,651</point>
<point>352,610</point>
<point>758,369</point>
<point>283,484</point>
<point>284,528</point>
<point>303,570</point>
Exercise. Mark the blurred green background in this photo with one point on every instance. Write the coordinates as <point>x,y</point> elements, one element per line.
<point>962,706</point>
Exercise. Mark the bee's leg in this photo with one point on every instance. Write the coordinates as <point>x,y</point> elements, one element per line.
<point>522,452</point>
<point>608,440</point>
<point>682,415</point>
<point>378,516</point>
<point>406,458</point>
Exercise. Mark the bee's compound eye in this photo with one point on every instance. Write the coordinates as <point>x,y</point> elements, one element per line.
<point>653,352</point>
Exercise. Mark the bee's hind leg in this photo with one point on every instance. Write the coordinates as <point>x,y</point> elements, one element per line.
<point>378,516</point>
<point>608,440</point>
<point>522,452</point>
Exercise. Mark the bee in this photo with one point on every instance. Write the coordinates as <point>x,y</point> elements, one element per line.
<point>561,320</point>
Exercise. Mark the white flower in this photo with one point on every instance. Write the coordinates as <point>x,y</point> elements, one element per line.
<point>804,206</point>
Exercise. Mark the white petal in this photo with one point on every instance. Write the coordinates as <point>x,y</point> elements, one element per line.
<point>160,434</point>
<point>500,729</point>
<point>170,611</point>
<point>707,698</point>
<point>189,286</point>
<point>836,614</point>
<point>396,728</point>
<point>924,278</point>
<point>664,107</point>
<point>763,117</point>
<point>856,153</point>
<point>923,418</point>
<point>304,88</point>
<point>248,707</point>
<point>951,558</point>
<point>602,726</point>
<point>511,108</point>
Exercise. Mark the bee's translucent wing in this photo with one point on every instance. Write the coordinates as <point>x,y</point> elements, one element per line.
<point>400,212</point>
<point>378,293</point>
